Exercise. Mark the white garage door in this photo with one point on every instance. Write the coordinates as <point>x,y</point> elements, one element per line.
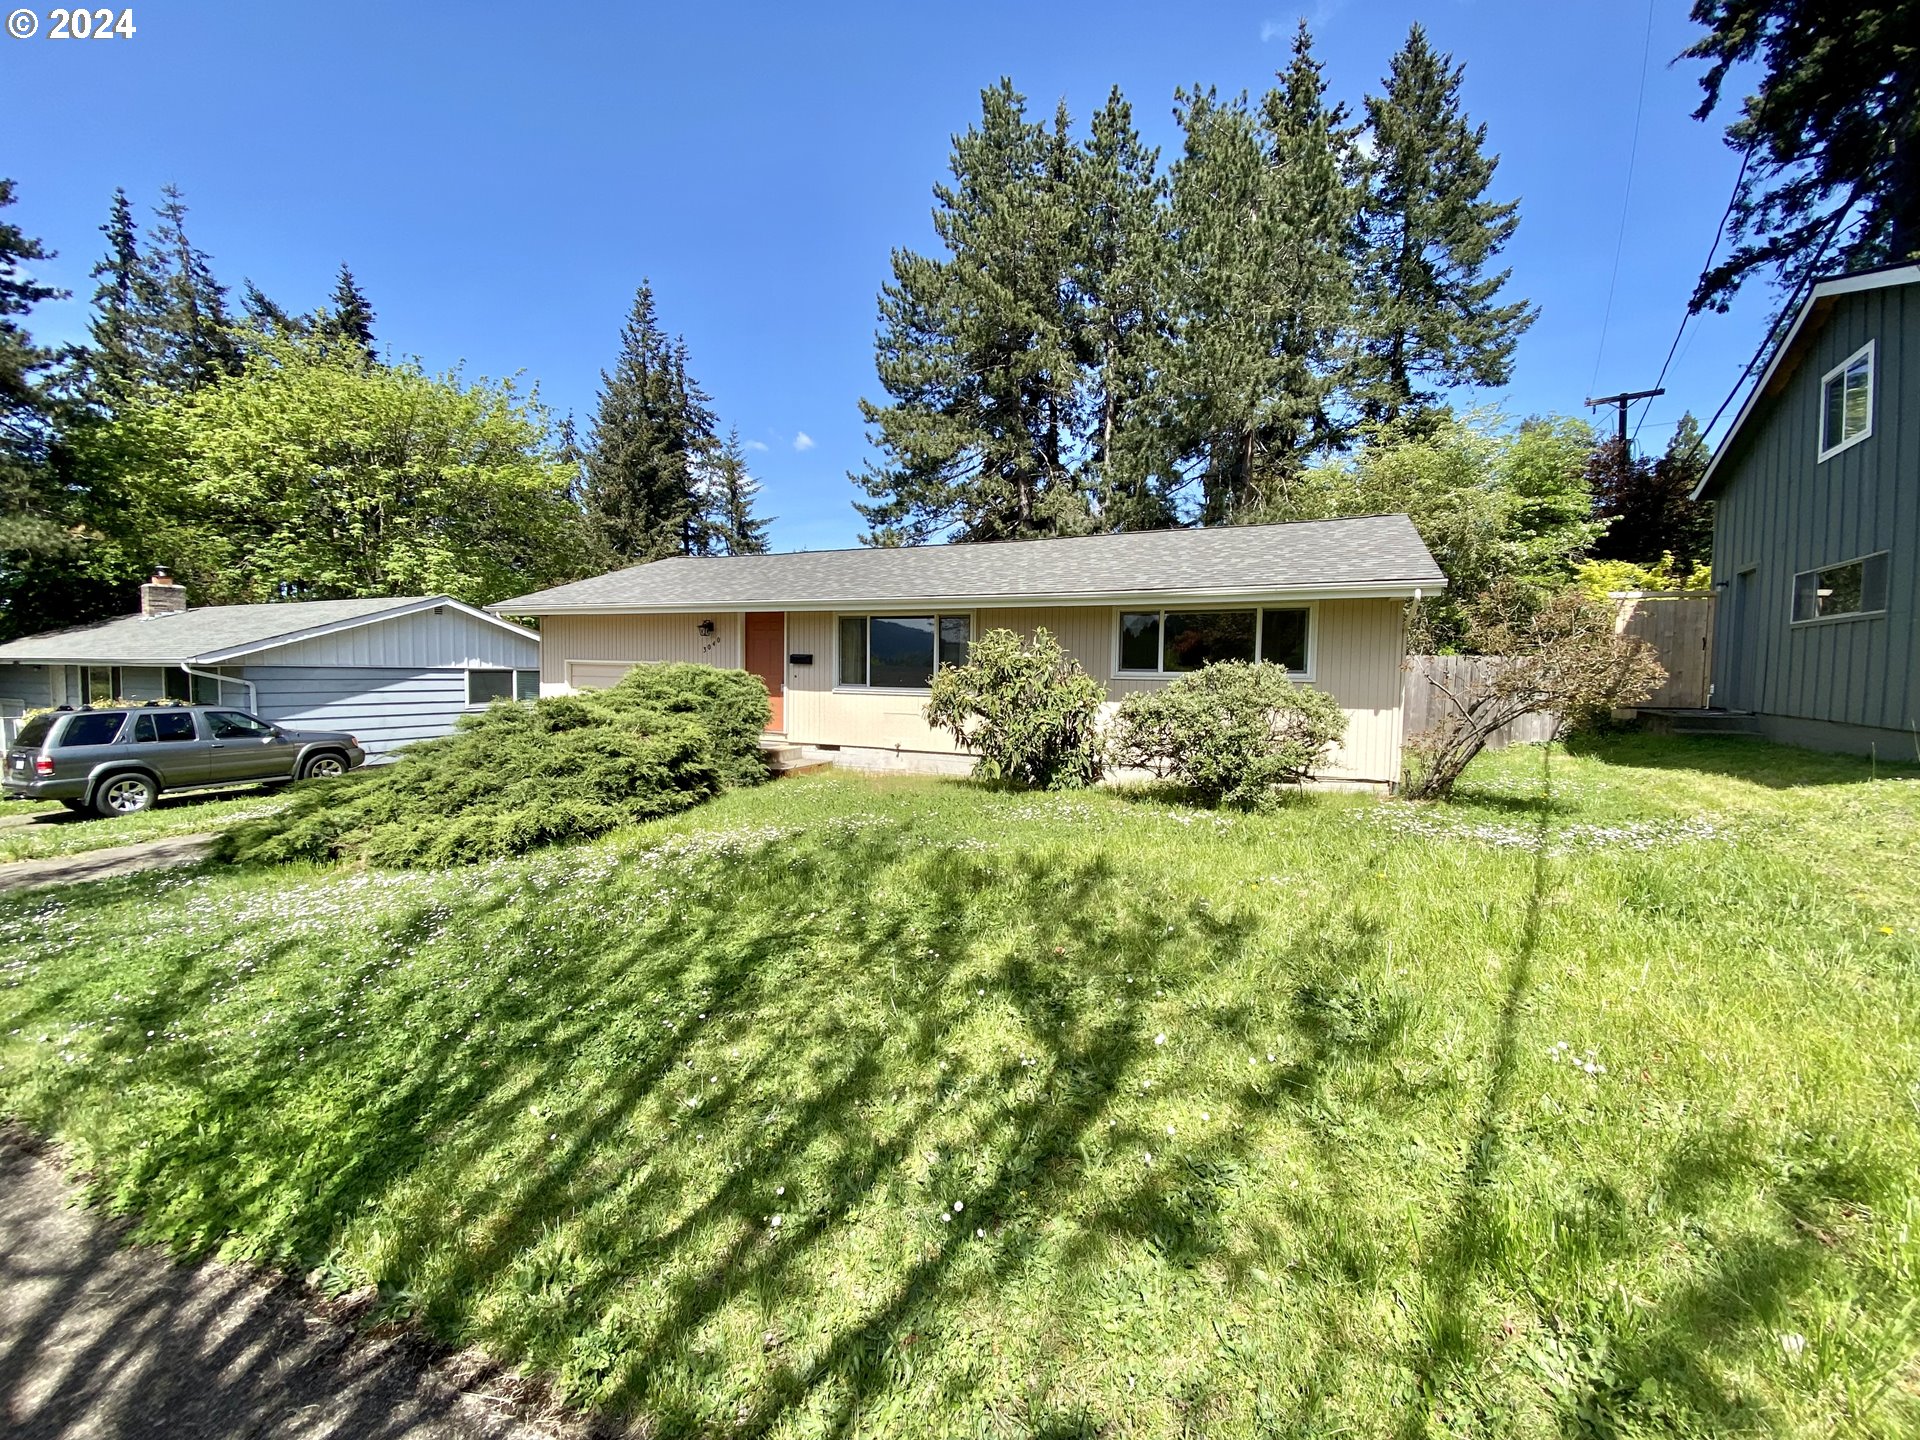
<point>596,674</point>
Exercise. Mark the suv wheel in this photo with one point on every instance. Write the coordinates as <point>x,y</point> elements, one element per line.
<point>323,767</point>
<point>124,795</point>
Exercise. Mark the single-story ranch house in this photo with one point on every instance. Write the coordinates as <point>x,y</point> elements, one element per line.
<point>847,641</point>
<point>387,670</point>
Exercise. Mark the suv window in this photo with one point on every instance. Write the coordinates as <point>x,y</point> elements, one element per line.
<point>33,734</point>
<point>232,725</point>
<point>93,727</point>
<point>165,725</point>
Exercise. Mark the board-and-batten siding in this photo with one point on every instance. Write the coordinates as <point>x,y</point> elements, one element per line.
<point>424,640</point>
<point>1358,649</point>
<point>1782,510</point>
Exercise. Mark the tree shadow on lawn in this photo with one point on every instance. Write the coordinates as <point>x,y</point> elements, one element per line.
<point>621,1243</point>
<point>1666,1364</point>
<point>517,1152</point>
<point>1738,757</point>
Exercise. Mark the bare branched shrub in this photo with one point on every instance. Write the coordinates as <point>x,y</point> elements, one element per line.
<point>1562,658</point>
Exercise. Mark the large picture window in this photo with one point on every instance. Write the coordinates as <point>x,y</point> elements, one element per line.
<point>1857,587</point>
<point>1174,642</point>
<point>900,652</point>
<point>1846,402</point>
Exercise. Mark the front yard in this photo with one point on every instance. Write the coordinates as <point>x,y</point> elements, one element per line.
<point>1587,1105</point>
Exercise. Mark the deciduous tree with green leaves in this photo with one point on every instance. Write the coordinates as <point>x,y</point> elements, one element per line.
<point>1495,503</point>
<point>314,475</point>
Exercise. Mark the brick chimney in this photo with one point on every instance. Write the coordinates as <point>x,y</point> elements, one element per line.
<point>160,596</point>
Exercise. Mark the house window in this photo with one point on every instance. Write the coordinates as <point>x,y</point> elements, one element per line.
<point>1174,642</point>
<point>93,684</point>
<point>1846,402</point>
<point>486,686</point>
<point>900,652</point>
<point>1858,587</point>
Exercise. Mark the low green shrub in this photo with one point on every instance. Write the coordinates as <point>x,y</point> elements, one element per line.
<point>517,776</point>
<point>1231,733</point>
<point>1026,708</point>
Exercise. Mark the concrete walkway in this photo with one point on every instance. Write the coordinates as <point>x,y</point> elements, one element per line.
<point>109,1342</point>
<point>103,864</point>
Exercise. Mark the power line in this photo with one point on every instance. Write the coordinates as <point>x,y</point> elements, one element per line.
<point>1719,231</point>
<point>1779,327</point>
<point>1620,240</point>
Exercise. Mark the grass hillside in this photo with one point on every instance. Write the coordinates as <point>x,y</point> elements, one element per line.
<point>1584,1106</point>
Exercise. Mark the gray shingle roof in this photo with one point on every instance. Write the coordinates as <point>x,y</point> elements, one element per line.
<point>1380,552</point>
<point>195,634</point>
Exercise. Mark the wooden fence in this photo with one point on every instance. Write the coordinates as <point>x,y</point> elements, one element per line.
<point>1678,624</point>
<point>1430,677</point>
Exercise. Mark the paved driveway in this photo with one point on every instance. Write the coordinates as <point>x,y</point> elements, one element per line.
<point>110,1342</point>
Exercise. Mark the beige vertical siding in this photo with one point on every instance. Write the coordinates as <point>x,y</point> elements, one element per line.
<point>634,639</point>
<point>1358,648</point>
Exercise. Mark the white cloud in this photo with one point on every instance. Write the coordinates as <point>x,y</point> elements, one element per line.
<point>755,444</point>
<point>803,441</point>
<point>1274,30</point>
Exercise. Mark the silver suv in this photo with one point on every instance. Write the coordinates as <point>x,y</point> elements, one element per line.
<point>117,760</point>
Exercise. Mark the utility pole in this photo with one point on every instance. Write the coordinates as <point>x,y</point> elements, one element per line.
<point>1622,400</point>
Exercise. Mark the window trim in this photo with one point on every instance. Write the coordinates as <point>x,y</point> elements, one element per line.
<point>1793,592</point>
<point>1303,677</point>
<point>972,618</point>
<point>1827,452</point>
<point>512,672</point>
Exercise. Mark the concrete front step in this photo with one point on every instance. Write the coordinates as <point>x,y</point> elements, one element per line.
<point>783,759</point>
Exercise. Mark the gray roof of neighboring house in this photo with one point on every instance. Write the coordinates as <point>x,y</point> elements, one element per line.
<point>1376,553</point>
<point>213,632</point>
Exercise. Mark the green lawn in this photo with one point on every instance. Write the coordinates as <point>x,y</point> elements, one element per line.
<point>1589,1105</point>
<point>57,831</point>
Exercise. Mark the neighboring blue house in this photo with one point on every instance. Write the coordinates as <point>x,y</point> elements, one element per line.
<point>388,670</point>
<point>1816,527</point>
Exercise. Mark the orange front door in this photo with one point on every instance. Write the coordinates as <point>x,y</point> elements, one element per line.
<point>766,646</point>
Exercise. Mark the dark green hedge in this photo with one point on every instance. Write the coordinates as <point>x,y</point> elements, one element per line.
<point>516,776</point>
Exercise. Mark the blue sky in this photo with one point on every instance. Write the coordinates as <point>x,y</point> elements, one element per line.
<point>500,177</point>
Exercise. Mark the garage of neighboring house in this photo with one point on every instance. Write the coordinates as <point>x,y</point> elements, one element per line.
<point>389,670</point>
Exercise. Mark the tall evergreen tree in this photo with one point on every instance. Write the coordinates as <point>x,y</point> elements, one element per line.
<point>1833,131</point>
<point>116,360</point>
<point>650,431</point>
<point>50,571</point>
<point>349,316</point>
<point>1428,233</point>
<point>731,492</point>
<point>1262,207</point>
<point>981,350</point>
<point>268,315</point>
<point>196,340</point>
<point>31,518</point>
<point>1121,277</point>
